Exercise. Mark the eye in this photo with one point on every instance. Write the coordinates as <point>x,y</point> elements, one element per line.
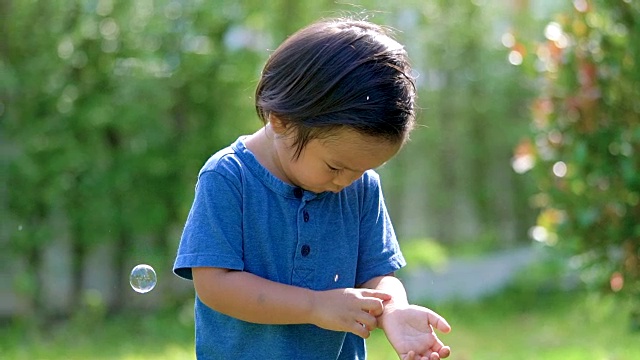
<point>334,170</point>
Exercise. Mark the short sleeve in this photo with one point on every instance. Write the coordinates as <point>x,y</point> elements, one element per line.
<point>212,236</point>
<point>379,252</point>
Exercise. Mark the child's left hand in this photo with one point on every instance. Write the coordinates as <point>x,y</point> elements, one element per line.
<point>409,329</point>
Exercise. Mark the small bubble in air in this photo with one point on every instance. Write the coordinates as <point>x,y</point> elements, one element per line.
<point>143,278</point>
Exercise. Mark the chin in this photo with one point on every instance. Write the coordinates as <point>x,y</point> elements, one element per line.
<point>322,189</point>
<point>314,189</point>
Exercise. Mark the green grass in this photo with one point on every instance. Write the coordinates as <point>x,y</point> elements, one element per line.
<point>547,326</point>
<point>160,336</point>
<point>553,325</point>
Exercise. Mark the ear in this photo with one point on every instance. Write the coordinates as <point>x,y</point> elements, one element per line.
<point>278,125</point>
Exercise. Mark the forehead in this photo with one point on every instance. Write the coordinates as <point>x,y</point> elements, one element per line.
<point>355,151</point>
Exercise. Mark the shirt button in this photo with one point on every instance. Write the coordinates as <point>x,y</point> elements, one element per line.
<point>306,249</point>
<point>297,192</point>
<point>305,216</point>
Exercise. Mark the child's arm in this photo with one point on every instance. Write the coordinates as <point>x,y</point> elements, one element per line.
<point>409,328</point>
<point>251,298</point>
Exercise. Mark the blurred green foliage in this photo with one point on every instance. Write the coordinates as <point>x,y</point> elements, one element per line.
<point>423,254</point>
<point>473,108</point>
<point>586,141</point>
<point>109,108</point>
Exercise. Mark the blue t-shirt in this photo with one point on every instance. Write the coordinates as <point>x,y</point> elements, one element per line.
<point>244,218</point>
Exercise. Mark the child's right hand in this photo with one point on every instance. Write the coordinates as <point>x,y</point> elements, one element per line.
<point>351,310</point>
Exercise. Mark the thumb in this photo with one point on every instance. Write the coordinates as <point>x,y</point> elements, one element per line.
<point>438,321</point>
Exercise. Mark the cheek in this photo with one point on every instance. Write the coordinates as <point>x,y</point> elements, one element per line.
<point>314,176</point>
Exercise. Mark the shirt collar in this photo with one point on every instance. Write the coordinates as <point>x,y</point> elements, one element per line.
<point>266,177</point>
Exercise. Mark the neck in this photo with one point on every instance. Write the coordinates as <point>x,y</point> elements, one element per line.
<point>262,144</point>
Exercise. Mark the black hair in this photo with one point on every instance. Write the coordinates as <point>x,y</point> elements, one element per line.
<point>339,73</point>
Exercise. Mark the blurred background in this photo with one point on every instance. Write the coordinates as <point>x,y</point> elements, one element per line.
<point>517,201</point>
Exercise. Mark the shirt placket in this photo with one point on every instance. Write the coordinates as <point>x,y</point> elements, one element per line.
<point>303,268</point>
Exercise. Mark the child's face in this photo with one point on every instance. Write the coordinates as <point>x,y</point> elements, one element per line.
<point>332,163</point>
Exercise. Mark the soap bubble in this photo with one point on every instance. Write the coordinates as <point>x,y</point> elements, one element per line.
<point>143,278</point>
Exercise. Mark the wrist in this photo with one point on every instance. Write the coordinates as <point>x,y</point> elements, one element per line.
<point>396,302</point>
<point>389,308</point>
<point>313,305</point>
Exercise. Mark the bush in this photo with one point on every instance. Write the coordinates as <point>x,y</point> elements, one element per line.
<point>585,147</point>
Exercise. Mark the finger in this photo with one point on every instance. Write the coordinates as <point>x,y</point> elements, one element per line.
<point>382,295</point>
<point>419,357</point>
<point>409,356</point>
<point>373,305</point>
<point>360,330</point>
<point>444,352</point>
<point>439,347</point>
<point>438,321</point>
<point>369,321</point>
<point>434,356</point>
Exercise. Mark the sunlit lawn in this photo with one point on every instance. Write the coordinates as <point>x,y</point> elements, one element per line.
<point>548,326</point>
<point>552,326</point>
